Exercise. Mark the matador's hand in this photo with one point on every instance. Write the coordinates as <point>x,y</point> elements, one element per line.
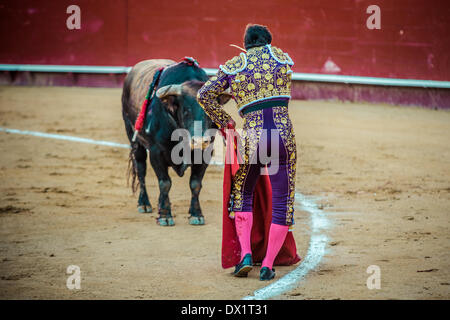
<point>230,125</point>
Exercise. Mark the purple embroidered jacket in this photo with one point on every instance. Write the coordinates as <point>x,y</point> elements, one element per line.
<point>261,74</point>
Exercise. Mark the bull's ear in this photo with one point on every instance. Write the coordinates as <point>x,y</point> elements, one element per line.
<point>170,103</point>
<point>224,98</point>
<point>168,95</point>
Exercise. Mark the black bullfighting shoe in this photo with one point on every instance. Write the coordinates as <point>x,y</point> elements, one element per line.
<point>243,268</point>
<point>266,274</point>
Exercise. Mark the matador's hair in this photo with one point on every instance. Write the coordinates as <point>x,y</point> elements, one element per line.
<point>256,35</point>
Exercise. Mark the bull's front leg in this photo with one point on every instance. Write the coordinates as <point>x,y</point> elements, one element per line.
<point>162,172</point>
<point>195,183</point>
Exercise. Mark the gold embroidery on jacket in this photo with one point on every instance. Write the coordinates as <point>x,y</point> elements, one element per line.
<point>258,75</point>
<point>207,98</point>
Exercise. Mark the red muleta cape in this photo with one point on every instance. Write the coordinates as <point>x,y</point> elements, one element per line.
<point>262,216</point>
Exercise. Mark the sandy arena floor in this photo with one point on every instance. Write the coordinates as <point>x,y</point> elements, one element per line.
<point>382,172</point>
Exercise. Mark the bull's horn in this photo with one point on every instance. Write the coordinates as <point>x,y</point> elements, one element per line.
<point>169,90</point>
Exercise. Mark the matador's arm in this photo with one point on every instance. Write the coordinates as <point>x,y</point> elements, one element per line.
<point>208,98</point>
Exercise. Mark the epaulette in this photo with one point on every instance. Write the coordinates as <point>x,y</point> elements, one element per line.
<point>235,65</point>
<point>280,56</point>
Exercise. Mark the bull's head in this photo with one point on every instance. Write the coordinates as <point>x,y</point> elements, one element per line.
<point>180,101</point>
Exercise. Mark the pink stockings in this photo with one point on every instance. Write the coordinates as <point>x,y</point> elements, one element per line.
<point>244,222</point>
<point>277,235</point>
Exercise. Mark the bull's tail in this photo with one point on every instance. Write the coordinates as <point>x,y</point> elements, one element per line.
<point>129,128</point>
<point>132,169</point>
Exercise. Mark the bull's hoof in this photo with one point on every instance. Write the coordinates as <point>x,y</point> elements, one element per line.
<point>145,209</point>
<point>165,222</point>
<point>196,221</point>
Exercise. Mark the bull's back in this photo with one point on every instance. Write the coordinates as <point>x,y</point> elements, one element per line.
<point>137,83</point>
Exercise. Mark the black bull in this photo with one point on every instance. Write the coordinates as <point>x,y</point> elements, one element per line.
<point>174,106</point>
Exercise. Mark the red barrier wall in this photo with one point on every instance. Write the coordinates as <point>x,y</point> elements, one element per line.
<point>412,43</point>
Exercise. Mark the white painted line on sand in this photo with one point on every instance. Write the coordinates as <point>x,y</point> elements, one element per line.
<point>317,244</point>
<point>78,139</point>
<point>64,137</point>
